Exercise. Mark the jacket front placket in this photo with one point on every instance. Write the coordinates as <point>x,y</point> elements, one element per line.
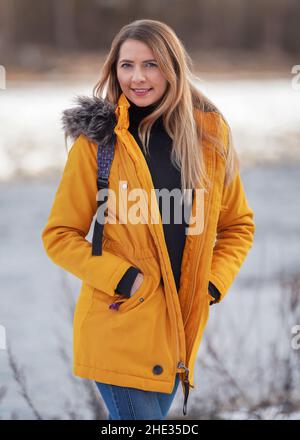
<point>175,308</point>
<point>193,251</point>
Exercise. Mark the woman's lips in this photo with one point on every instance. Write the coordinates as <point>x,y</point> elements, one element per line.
<point>141,92</point>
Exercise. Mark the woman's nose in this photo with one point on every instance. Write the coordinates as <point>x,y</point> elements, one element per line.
<point>137,75</point>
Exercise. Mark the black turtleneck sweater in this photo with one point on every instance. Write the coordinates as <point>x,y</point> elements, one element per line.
<point>164,175</point>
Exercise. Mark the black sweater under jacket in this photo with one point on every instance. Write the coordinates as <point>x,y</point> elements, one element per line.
<point>164,175</point>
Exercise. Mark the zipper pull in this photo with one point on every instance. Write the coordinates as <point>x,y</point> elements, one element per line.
<point>116,304</point>
<point>186,385</point>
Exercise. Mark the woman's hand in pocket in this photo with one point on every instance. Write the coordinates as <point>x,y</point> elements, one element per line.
<point>212,299</point>
<point>137,283</point>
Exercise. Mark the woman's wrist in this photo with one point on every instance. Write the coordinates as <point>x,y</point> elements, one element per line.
<point>137,283</point>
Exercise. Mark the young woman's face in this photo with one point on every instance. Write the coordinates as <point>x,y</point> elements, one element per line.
<point>138,70</point>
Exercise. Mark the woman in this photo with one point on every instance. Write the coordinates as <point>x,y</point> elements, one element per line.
<point>147,285</point>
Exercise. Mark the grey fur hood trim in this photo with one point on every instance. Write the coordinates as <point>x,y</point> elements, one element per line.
<point>94,117</point>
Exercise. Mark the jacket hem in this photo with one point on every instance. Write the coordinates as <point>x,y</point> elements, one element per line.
<point>124,380</point>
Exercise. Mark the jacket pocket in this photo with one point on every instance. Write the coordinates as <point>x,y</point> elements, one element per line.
<point>139,297</point>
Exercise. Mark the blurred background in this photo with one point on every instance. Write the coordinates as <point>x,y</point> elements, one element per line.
<point>246,55</point>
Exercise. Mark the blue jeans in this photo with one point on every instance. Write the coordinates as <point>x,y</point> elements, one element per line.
<point>125,403</point>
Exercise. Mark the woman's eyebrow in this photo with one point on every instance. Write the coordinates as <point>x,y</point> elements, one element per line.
<point>130,61</point>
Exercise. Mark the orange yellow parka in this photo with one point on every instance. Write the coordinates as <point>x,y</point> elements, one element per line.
<point>157,331</point>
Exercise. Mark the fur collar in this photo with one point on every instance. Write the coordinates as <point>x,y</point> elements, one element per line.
<point>94,117</point>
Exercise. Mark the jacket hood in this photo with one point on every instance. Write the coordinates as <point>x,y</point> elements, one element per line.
<point>94,117</point>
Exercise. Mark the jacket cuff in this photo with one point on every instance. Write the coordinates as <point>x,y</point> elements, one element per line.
<point>214,292</point>
<point>126,282</point>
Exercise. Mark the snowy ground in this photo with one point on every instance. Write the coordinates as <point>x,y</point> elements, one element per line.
<point>246,366</point>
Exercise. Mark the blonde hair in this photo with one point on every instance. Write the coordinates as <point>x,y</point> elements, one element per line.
<point>179,106</point>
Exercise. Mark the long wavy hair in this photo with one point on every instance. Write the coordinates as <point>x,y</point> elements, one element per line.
<point>181,106</point>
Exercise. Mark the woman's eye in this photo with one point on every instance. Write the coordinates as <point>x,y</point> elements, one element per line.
<point>148,64</point>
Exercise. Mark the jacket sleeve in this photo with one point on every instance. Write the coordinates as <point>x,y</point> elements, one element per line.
<point>235,232</point>
<point>70,219</point>
<point>214,293</point>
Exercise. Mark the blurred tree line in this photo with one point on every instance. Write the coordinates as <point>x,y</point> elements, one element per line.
<point>79,25</point>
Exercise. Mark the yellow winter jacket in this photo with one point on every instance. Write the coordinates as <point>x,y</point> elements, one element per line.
<point>157,331</point>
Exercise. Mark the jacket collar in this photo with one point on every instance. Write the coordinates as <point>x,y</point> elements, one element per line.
<point>122,114</point>
<point>96,118</point>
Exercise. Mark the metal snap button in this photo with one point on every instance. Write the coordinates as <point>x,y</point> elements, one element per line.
<point>157,369</point>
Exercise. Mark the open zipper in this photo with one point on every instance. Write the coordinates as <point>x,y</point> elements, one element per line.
<point>190,298</point>
<point>180,364</point>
